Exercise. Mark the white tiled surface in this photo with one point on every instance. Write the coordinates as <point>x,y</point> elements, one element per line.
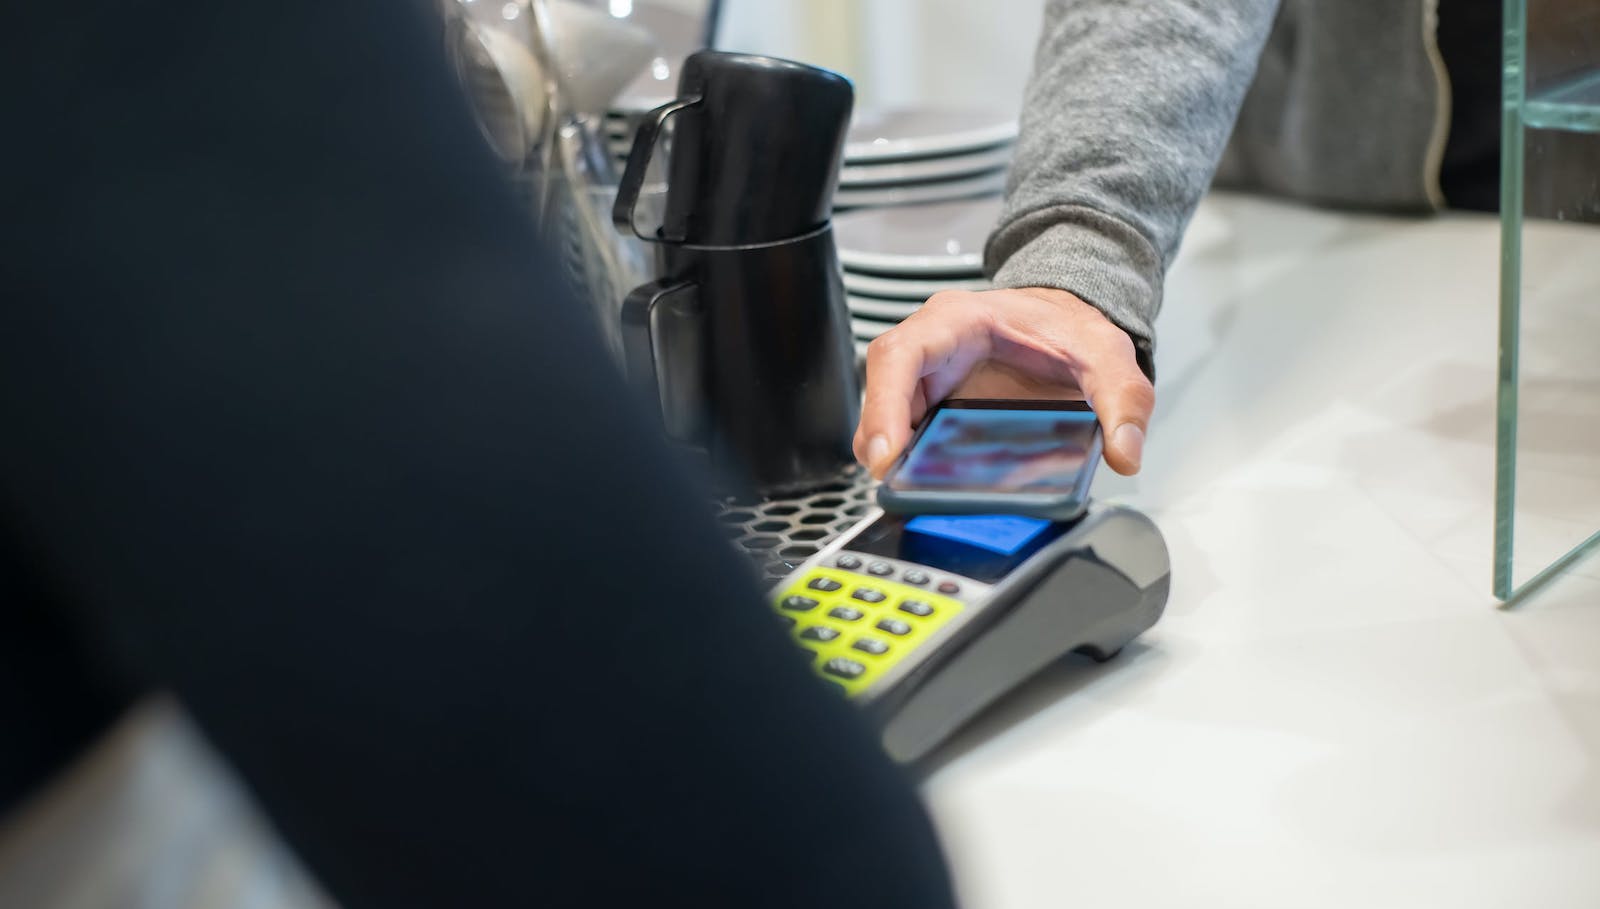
<point>1333,711</point>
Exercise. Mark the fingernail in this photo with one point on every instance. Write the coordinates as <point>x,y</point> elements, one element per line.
<point>877,450</point>
<point>1129,439</point>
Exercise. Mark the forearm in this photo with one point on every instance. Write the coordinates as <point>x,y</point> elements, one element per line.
<point>1126,114</point>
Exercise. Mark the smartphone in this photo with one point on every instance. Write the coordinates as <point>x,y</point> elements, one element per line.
<point>1034,458</point>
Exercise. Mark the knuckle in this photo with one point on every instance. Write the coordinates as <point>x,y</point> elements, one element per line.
<point>950,304</point>
<point>885,345</point>
<point>1138,394</point>
<point>1143,393</point>
<point>954,310</point>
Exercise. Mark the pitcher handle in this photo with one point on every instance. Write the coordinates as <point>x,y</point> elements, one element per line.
<point>678,386</point>
<point>644,146</point>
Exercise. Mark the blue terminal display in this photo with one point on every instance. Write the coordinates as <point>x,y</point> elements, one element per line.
<point>1005,534</point>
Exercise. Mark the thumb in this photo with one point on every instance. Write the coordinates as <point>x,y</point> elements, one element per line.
<point>1124,400</point>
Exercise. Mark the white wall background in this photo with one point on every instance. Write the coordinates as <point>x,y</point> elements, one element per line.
<point>899,52</point>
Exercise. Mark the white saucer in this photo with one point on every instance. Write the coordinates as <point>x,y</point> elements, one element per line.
<point>990,184</point>
<point>941,238</point>
<point>865,176</point>
<point>900,133</point>
<point>904,289</point>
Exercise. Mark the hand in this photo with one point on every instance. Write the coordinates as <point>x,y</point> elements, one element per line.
<point>1029,343</point>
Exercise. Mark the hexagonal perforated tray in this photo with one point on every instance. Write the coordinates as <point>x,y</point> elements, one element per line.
<point>780,533</point>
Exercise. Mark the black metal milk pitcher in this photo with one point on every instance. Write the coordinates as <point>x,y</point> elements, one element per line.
<point>745,342</point>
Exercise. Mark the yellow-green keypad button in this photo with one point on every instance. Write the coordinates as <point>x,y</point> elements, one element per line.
<point>858,626</point>
<point>895,627</point>
<point>797,603</point>
<point>844,668</point>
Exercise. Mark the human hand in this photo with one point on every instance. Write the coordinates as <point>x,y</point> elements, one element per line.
<point>1032,342</point>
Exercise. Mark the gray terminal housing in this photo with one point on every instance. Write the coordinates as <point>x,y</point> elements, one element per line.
<point>1091,590</point>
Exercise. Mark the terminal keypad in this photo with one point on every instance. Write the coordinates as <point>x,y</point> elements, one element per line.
<point>859,618</point>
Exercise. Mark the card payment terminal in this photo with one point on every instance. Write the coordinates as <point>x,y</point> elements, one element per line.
<point>926,620</point>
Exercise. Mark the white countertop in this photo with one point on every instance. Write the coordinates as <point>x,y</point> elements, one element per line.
<point>1333,711</point>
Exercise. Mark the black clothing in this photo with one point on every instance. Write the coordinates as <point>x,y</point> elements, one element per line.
<point>293,425</point>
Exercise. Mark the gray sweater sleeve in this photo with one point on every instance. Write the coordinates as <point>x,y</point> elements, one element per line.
<point>1125,117</point>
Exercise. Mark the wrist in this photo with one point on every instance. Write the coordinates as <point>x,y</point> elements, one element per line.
<point>1097,259</point>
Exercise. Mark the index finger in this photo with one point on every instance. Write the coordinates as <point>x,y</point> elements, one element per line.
<point>940,342</point>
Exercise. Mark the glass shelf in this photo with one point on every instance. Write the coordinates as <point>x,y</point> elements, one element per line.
<point>1547,473</point>
<point>1573,105</point>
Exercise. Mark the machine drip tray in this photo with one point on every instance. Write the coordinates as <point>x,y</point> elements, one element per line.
<point>780,533</point>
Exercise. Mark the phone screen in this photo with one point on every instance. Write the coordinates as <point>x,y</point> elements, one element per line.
<point>999,451</point>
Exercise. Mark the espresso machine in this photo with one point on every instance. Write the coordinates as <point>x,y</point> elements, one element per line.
<point>744,346</point>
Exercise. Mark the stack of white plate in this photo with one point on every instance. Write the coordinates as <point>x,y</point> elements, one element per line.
<point>896,258</point>
<point>909,156</point>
